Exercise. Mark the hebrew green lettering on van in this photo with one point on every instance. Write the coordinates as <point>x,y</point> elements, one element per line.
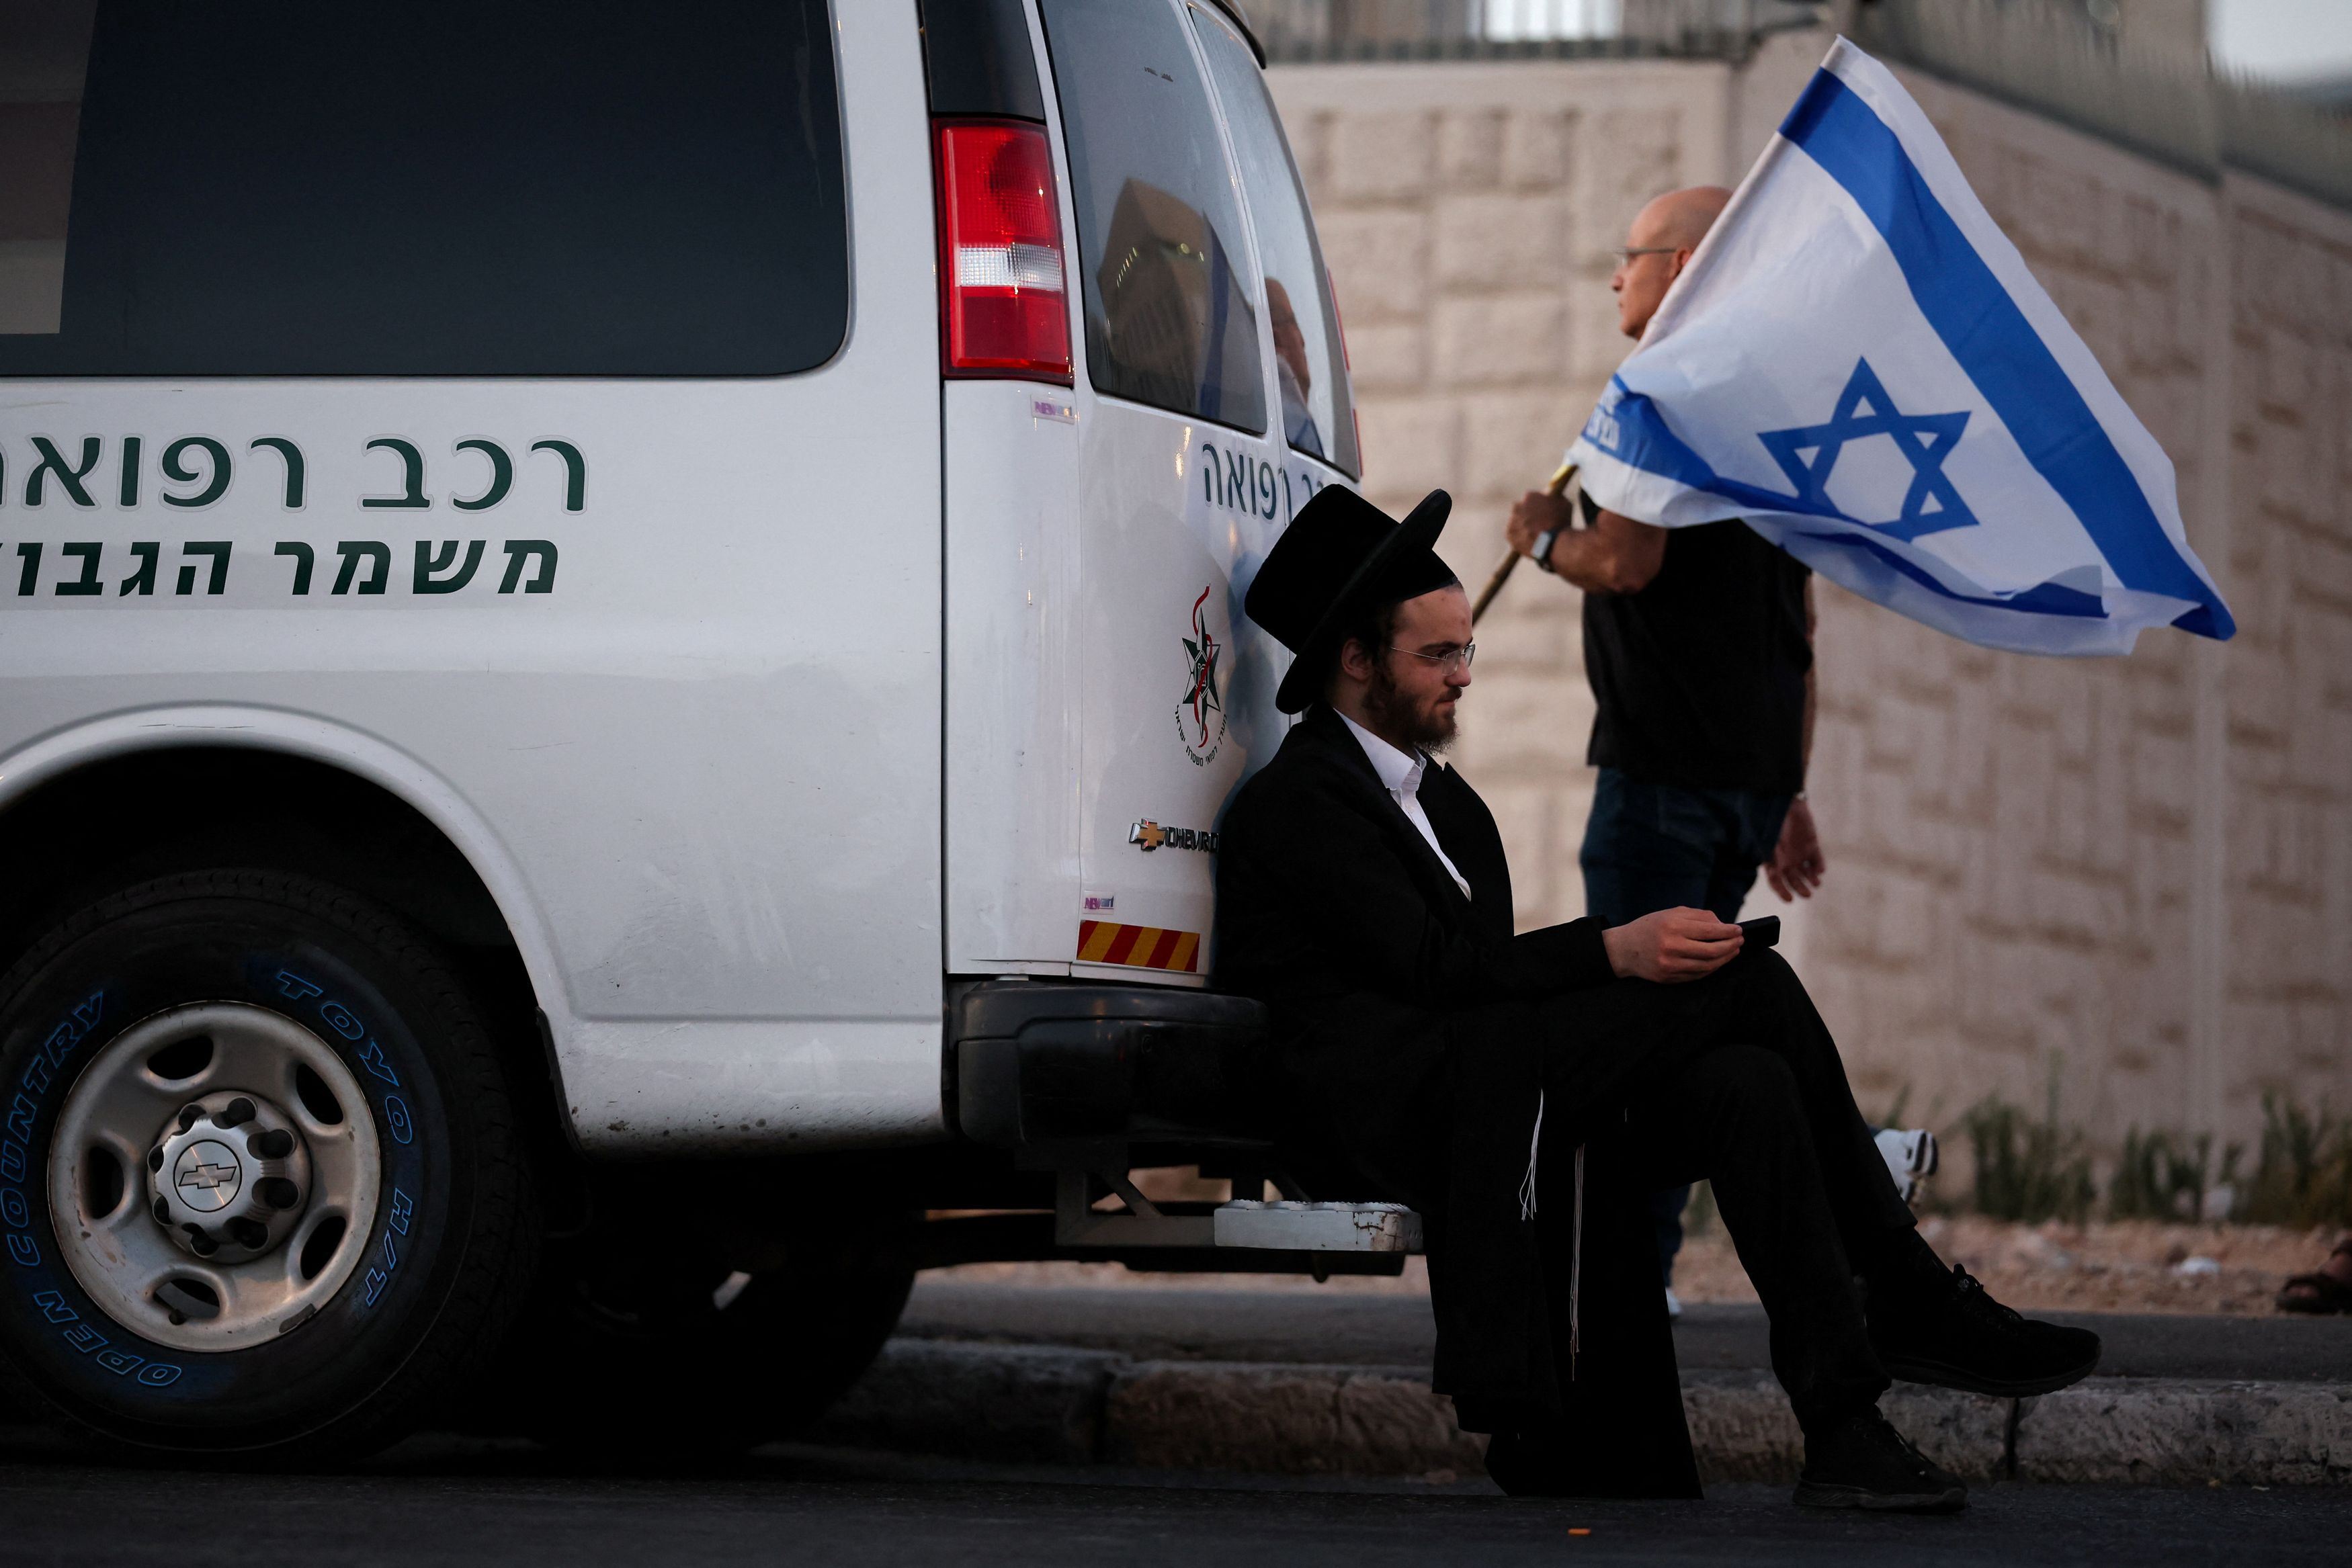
<point>305,558</point>
<point>355,551</point>
<point>146,552</point>
<point>87,583</point>
<point>1240,483</point>
<point>215,482</point>
<point>205,464</point>
<point>521,550</point>
<point>441,567</point>
<point>218,549</point>
<point>502,477</point>
<point>430,568</point>
<point>411,462</point>
<point>52,461</point>
<point>293,456</point>
<point>575,469</point>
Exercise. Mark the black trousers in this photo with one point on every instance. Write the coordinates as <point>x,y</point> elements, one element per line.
<point>1735,1079</point>
<point>1753,1097</point>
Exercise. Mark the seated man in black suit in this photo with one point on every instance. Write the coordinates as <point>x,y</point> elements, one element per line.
<point>1527,1092</point>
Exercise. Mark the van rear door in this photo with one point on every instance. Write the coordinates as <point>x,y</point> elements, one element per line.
<point>1212,402</point>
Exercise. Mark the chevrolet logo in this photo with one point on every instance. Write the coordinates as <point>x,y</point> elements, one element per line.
<point>1150,835</point>
<point>208,1177</point>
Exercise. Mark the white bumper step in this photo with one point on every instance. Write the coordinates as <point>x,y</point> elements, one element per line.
<point>1317,1226</point>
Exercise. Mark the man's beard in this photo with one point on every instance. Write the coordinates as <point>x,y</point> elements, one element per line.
<point>1430,728</point>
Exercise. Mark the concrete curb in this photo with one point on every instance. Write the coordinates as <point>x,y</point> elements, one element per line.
<point>2186,1431</point>
<point>1080,1406</point>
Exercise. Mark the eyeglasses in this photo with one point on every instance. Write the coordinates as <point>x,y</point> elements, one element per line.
<point>1626,253</point>
<point>1451,660</point>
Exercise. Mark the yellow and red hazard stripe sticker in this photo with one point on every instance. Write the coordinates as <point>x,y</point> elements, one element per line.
<point>1139,947</point>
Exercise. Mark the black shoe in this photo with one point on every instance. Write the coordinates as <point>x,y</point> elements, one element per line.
<point>1528,1466</point>
<point>1945,1330</point>
<point>1550,1462</point>
<point>1863,1463</point>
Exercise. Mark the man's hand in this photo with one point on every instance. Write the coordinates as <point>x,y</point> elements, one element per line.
<point>1533,514</point>
<point>1616,554</point>
<point>1797,867</point>
<point>1671,945</point>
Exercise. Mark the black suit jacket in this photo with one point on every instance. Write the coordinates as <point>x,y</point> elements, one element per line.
<point>1415,1037</point>
<point>1332,910</point>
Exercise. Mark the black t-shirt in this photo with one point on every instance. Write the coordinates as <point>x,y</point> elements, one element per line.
<point>1700,677</point>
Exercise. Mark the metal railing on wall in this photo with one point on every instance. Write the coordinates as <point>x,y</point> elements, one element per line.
<point>1307,30</point>
<point>2054,57</point>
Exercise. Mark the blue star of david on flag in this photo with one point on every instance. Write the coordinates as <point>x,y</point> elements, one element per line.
<point>1854,259</point>
<point>1865,409</point>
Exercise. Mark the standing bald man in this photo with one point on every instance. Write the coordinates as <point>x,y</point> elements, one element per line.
<point>1699,643</point>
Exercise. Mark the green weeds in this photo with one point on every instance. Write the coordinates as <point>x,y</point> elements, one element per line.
<point>2028,1169</point>
<point>2167,1175</point>
<point>2032,1168</point>
<point>2305,1174</point>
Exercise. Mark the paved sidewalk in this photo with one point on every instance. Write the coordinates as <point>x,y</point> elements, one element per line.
<point>1298,1383</point>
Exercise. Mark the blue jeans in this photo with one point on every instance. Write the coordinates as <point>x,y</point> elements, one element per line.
<point>1659,846</point>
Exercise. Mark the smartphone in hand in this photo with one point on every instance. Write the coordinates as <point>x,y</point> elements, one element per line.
<point>1764,931</point>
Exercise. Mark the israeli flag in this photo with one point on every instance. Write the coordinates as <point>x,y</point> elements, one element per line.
<point>1857,363</point>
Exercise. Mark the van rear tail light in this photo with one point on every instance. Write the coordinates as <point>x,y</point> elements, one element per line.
<point>1004,302</point>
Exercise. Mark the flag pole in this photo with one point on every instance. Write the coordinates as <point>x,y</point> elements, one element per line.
<point>1557,486</point>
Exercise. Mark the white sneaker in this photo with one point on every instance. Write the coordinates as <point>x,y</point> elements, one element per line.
<point>1910,1154</point>
<point>1674,1303</point>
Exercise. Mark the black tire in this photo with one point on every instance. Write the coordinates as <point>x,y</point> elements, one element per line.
<point>444,1265</point>
<point>622,1337</point>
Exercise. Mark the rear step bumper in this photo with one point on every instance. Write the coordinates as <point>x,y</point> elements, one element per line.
<point>1317,1226</point>
<point>1038,1062</point>
<point>1073,1077</point>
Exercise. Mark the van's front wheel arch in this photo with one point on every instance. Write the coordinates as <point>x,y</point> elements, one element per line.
<point>261,1192</point>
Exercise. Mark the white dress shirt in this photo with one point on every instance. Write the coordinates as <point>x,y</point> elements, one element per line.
<point>1400,774</point>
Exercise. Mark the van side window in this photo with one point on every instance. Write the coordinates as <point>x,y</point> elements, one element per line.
<point>435,188</point>
<point>43,46</point>
<point>1171,315</point>
<point>1318,413</point>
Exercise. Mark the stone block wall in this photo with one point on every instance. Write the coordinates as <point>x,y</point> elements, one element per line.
<point>2135,875</point>
<point>1468,213</point>
<point>2286,683</point>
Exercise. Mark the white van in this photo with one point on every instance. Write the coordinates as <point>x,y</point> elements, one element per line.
<point>620,652</point>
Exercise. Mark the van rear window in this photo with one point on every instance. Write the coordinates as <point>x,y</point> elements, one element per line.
<point>1170,317</point>
<point>1309,366</point>
<point>435,188</point>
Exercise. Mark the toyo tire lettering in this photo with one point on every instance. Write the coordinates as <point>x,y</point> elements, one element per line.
<point>336,1253</point>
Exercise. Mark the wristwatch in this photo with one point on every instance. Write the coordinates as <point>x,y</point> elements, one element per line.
<point>1542,552</point>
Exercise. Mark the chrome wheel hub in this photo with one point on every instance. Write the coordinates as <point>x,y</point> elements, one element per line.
<point>213,1177</point>
<point>230,1178</point>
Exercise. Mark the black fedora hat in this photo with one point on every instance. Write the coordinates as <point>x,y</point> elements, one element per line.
<point>1341,554</point>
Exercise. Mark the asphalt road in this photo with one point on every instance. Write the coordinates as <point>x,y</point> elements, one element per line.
<point>445,1499</point>
<point>1197,1323</point>
<point>448,1501</point>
